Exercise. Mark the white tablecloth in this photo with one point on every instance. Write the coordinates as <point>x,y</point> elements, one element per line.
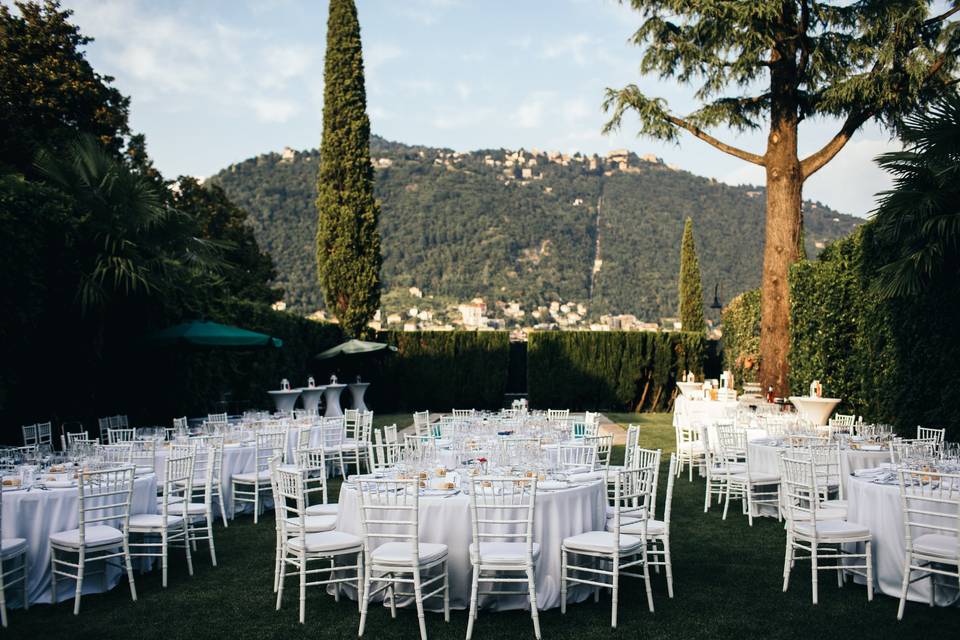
<point>558,514</point>
<point>764,458</point>
<point>35,514</point>
<point>236,459</point>
<point>691,413</point>
<point>877,506</point>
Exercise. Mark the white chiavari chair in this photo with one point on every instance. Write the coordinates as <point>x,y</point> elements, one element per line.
<point>104,515</point>
<point>217,419</point>
<point>821,539</point>
<point>249,487</point>
<point>633,439</point>
<point>353,448</point>
<point>389,510</point>
<point>206,487</point>
<point>751,487</point>
<point>170,525</point>
<point>392,440</point>
<point>644,459</point>
<point>716,466</point>
<point>180,424</point>
<point>502,518</point>
<point>296,438</point>
<point>931,523</point>
<point>689,449</point>
<point>558,414</point>
<point>30,438</point>
<point>300,545</point>
<point>464,413</point>
<point>13,568</point>
<point>624,553</point>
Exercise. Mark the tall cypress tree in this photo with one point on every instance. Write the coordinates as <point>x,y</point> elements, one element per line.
<point>691,290</point>
<point>348,241</point>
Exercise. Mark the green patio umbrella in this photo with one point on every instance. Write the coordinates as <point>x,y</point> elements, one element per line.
<point>351,347</point>
<point>203,333</point>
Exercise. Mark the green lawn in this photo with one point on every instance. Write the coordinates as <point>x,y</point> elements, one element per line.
<point>727,582</point>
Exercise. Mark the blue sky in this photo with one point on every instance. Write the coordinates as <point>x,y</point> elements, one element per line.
<point>218,81</point>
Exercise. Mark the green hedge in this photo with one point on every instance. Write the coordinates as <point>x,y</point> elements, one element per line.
<point>741,337</point>
<point>440,370</point>
<point>615,370</point>
<point>890,360</point>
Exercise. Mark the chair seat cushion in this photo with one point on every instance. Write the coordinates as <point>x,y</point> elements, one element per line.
<point>95,536</point>
<point>153,522</point>
<point>822,514</point>
<point>691,447</point>
<point>250,478</point>
<point>834,530</point>
<point>328,509</point>
<point>326,542</point>
<point>834,504</point>
<point>635,528</point>
<point>601,542</point>
<point>399,553</point>
<point>12,546</point>
<point>313,524</point>
<point>755,477</point>
<point>502,552</point>
<point>196,509</point>
<point>932,544</point>
<point>738,468</point>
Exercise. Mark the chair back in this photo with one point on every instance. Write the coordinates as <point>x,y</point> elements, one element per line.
<point>269,443</point>
<point>931,505</point>
<point>118,435</point>
<point>502,509</point>
<point>331,432</point>
<point>633,440</point>
<point>289,498</point>
<point>649,459</point>
<point>464,413</point>
<point>144,454</point>
<point>632,501</point>
<point>29,435</point>
<point>389,511</point>
<point>379,452</point>
<point>120,453</point>
<point>351,424</point>
<point>558,414</point>
<point>104,499</point>
<point>177,484</point>
<point>421,420</point>
<point>572,457</point>
<point>799,491</point>
<point>208,465</point>
<point>826,465</point>
<point>923,433</point>
<point>217,419</point>
<point>604,446</point>
<point>313,463</point>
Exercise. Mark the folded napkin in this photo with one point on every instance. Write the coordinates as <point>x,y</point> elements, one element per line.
<point>868,472</point>
<point>586,477</point>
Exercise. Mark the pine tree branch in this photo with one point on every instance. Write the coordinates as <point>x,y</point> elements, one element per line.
<point>943,16</point>
<point>815,161</point>
<point>722,146</point>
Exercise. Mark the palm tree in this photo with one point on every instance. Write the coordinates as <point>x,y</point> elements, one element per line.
<point>129,242</point>
<point>919,219</point>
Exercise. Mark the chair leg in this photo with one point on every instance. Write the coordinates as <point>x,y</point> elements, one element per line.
<point>870,571</point>
<point>3,600</point>
<point>213,550</point>
<point>615,591</point>
<point>79,588</point>
<point>669,565</point>
<point>749,501</point>
<point>446,592</point>
<point>277,561</point>
<point>280,577</point>
<point>563,580</point>
<point>186,540</point>
<point>256,501</point>
<point>391,592</point>
<point>303,588</point>
<point>53,576</point>
<point>418,596</point>
<point>904,585</point>
<point>474,584</point>
<point>26,600</point>
<point>813,569</point>
<point>534,612</point>
<point>646,579</point>
<point>365,599</point>
<point>787,562</point>
<point>726,502</point>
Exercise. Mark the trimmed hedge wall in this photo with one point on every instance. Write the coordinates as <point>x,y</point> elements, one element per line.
<point>741,337</point>
<point>621,370</point>
<point>440,370</point>
<point>890,360</point>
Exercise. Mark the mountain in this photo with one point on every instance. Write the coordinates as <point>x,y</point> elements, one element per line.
<point>525,226</point>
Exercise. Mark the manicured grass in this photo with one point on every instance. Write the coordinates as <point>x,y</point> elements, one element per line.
<point>656,429</point>
<point>727,583</point>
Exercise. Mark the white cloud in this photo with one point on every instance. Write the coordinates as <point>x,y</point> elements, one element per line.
<point>274,110</point>
<point>461,118</point>
<point>530,114</point>
<point>464,90</point>
<point>574,47</point>
<point>282,64</point>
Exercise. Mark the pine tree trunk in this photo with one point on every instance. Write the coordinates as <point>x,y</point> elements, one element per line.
<point>784,187</point>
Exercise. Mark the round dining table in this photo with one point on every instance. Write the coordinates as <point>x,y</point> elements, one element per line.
<point>873,500</point>
<point>558,514</point>
<point>764,458</point>
<point>34,514</point>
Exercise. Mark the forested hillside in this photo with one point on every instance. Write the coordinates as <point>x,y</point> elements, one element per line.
<point>524,226</point>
